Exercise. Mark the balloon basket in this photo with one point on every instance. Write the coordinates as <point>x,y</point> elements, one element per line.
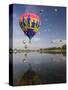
<point>29,41</point>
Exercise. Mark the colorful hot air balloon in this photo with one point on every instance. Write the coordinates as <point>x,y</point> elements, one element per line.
<point>29,23</point>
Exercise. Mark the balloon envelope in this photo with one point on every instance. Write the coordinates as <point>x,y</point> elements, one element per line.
<point>29,23</point>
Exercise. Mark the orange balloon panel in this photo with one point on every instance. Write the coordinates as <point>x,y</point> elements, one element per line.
<point>32,16</point>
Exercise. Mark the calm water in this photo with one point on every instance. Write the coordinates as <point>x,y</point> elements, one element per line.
<point>38,68</point>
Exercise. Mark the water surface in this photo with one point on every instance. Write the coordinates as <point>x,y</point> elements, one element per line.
<point>38,68</point>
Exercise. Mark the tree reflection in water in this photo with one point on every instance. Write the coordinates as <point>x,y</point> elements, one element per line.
<point>30,77</point>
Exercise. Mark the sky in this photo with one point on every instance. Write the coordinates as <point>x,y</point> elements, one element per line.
<point>52,31</point>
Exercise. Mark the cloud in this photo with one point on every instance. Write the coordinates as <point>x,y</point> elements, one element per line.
<point>55,9</point>
<point>58,42</point>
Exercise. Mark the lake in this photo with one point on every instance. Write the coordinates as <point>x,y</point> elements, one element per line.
<point>38,68</point>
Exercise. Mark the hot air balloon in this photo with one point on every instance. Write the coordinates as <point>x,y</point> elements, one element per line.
<point>29,23</point>
<point>24,42</point>
<point>41,11</point>
<point>25,46</point>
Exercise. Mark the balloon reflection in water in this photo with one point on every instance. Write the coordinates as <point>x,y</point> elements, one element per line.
<point>25,54</point>
<point>25,58</point>
<point>30,77</point>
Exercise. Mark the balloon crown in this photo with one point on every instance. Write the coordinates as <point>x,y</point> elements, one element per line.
<point>29,21</point>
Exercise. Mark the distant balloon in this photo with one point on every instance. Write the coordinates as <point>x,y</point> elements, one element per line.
<point>24,41</point>
<point>41,11</point>
<point>29,23</point>
<point>55,9</point>
<point>26,46</point>
<point>60,40</point>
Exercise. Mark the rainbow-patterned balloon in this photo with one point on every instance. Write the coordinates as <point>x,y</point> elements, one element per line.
<point>29,23</point>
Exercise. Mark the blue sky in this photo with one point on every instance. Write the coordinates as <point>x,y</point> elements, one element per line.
<point>51,31</point>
